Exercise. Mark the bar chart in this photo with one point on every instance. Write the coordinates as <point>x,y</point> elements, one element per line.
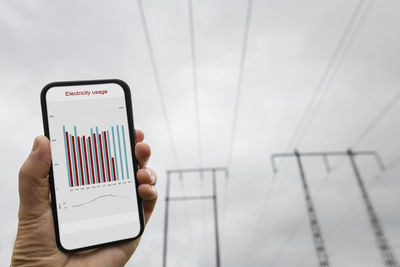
<point>97,157</point>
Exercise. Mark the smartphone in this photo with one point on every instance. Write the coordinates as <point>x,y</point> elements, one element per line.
<point>93,183</point>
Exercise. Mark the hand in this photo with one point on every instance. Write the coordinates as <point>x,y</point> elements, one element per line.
<point>35,244</point>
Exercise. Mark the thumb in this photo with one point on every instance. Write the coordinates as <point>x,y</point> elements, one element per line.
<point>33,180</point>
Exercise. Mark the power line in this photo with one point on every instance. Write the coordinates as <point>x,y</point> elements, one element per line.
<point>299,221</point>
<point>330,69</point>
<point>316,99</point>
<point>316,232</point>
<point>236,105</point>
<point>377,119</point>
<point>195,82</point>
<point>295,230</point>
<point>382,243</point>
<point>240,80</point>
<point>361,137</point>
<point>371,126</point>
<point>196,96</point>
<point>377,178</point>
<point>356,20</point>
<point>289,239</point>
<point>344,43</point>
<point>196,101</point>
<point>157,80</point>
<point>340,219</point>
<point>267,203</point>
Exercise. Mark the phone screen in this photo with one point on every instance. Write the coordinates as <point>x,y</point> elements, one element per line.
<point>93,168</point>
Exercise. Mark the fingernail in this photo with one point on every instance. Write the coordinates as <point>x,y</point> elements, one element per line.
<point>35,144</point>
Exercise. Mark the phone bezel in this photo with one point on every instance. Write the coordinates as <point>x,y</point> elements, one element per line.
<point>132,136</point>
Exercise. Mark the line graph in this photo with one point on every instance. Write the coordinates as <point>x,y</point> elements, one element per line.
<point>99,197</point>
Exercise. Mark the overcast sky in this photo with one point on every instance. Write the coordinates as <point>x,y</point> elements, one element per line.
<point>262,217</point>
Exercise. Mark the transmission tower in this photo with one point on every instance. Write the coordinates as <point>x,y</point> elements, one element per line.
<point>382,243</point>
<point>322,255</point>
<point>213,197</point>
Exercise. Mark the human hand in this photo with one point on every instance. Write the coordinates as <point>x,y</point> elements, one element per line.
<point>35,244</point>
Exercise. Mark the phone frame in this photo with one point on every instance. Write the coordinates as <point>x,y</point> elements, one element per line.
<point>132,136</point>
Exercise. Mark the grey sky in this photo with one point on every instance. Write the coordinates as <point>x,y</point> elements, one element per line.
<point>290,44</point>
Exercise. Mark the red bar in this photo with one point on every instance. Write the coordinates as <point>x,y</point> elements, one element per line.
<point>102,158</point>
<point>108,160</point>
<point>69,160</point>
<point>97,158</point>
<point>86,164</point>
<point>76,168</point>
<point>80,160</point>
<point>91,160</point>
<point>113,163</point>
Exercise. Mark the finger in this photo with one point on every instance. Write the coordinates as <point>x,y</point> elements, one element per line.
<point>147,192</point>
<point>147,176</point>
<point>149,195</point>
<point>33,179</point>
<point>139,135</point>
<point>142,153</point>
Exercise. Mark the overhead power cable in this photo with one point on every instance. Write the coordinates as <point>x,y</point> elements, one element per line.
<point>392,102</point>
<point>240,81</point>
<point>242,62</point>
<point>288,240</point>
<point>371,126</point>
<point>158,81</point>
<point>349,211</point>
<point>345,40</point>
<point>385,110</point>
<point>195,82</point>
<point>354,24</point>
<point>352,27</point>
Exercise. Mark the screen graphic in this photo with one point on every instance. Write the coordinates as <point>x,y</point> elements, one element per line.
<point>92,165</point>
<point>93,159</point>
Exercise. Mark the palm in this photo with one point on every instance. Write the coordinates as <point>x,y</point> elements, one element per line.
<point>36,242</point>
<point>107,256</point>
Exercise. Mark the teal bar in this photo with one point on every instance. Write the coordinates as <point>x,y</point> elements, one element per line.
<point>77,156</point>
<point>120,154</point>
<point>126,158</point>
<point>115,152</point>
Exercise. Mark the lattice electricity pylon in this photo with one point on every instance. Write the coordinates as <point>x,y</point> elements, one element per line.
<point>382,243</point>
<point>322,255</point>
<point>185,198</point>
